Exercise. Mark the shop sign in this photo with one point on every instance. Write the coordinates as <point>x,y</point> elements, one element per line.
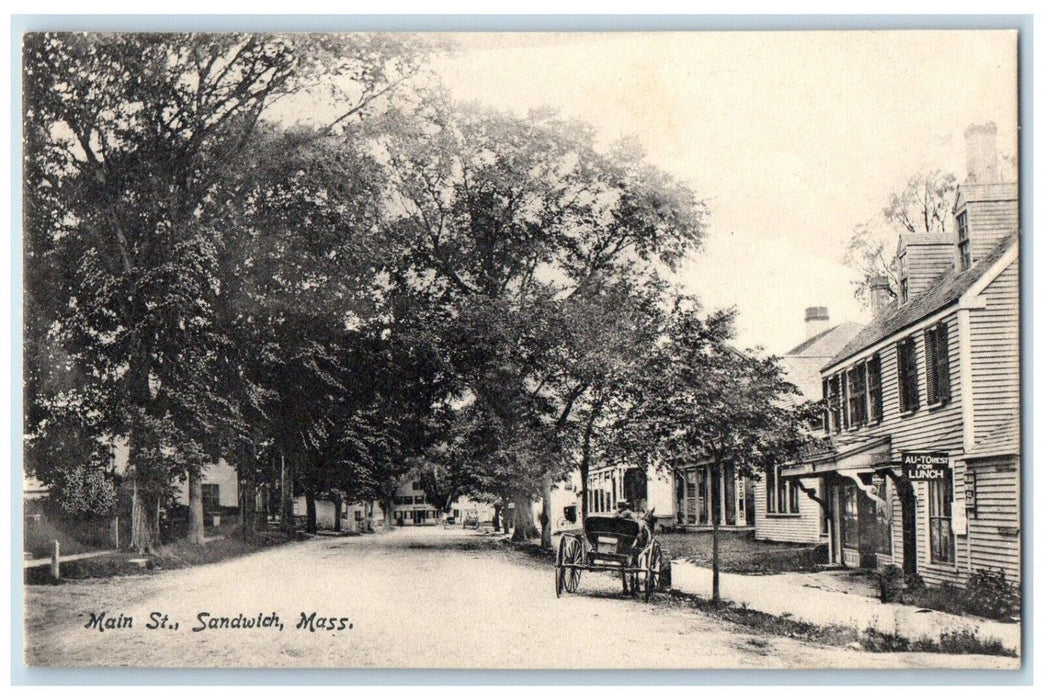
<point>926,466</point>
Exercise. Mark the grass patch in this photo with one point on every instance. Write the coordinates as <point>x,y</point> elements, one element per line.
<point>176,555</point>
<point>739,552</point>
<point>757,621</point>
<point>960,642</point>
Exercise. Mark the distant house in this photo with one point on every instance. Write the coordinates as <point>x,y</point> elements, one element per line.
<point>783,512</point>
<point>410,506</point>
<point>923,405</point>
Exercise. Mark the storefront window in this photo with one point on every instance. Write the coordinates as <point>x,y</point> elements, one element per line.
<point>850,516</point>
<point>940,497</point>
<point>883,536</point>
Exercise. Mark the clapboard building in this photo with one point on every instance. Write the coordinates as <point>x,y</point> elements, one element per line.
<point>782,511</point>
<point>923,405</point>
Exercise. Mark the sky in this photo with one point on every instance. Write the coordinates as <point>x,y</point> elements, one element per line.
<point>792,138</point>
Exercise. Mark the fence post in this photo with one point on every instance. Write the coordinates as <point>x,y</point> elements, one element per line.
<point>55,560</point>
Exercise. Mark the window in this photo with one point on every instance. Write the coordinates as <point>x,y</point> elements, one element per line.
<point>834,403</point>
<point>849,516</point>
<point>416,486</point>
<point>857,395</point>
<point>940,497</point>
<point>873,388</point>
<point>211,498</point>
<point>904,280</point>
<point>419,499</point>
<point>937,364</point>
<point>906,360</point>
<point>963,241</point>
<point>781,496</point>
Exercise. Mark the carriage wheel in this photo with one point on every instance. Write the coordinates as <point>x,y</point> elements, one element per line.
<point>560,572</point>
<point>652,571</point>
<point>571,554</point>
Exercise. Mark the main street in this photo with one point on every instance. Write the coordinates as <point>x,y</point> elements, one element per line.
<point>417,597</point>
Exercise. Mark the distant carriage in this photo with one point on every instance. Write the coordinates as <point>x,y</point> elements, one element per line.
<point>471,520</point>
<point>615,545</point>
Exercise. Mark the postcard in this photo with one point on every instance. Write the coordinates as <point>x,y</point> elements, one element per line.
<point>522,350</point>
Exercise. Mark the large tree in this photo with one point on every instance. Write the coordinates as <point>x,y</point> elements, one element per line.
<point>703,401</point>
<point>128,137</point>
<point>511,220</point>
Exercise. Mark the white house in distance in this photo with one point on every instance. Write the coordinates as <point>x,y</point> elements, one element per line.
<point>782,511</point>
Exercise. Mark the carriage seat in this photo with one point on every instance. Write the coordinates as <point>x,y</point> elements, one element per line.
<point>612,540</point>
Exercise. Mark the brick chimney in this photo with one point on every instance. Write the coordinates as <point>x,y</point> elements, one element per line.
<point>980,141</point>
<point>817,320</point>
<point>880,294</point>
<point>986,209</point>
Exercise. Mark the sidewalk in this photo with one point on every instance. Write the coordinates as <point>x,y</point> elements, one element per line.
<point>30,563</point>
<point>807,600</point>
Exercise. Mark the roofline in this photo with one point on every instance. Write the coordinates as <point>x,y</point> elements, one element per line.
<point>968,300</point>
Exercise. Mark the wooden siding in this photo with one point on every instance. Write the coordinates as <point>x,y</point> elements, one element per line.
<point>925,262</point>
<point>800,527</point>
<point>928,428</point>
<point>995,354</point>
<point>994,530</point>
<point>989,222</point>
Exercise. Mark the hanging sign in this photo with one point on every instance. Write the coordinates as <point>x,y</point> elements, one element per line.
<point>926,466</point>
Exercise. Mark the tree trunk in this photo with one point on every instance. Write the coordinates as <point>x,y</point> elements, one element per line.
<point>195,510</point>
<point>286,497</point>
<point>525,528</point>
<point>386,504</point>
<point>715,493</point>
<point>311,522</point>
<point>143,537</point>
<point>497,509</point>
<point>545,513</point>
<point>337,515</point>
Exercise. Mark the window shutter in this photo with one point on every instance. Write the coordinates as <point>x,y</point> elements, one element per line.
<point>931,365</point>
<point>911,372</point>
<point>900,362</point>
<point>942,348</point>
<point>843,380</point>
<point>826,406</point>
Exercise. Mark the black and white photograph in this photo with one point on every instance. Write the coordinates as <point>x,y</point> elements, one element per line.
<point>521,349</point>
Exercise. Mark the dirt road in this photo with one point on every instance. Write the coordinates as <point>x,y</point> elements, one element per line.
<point>418,597</point>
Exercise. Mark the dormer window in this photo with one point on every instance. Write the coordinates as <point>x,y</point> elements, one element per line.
<point>963,241</point>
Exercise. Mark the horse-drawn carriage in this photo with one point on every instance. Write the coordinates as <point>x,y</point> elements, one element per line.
<point>615,545</point>
<point>471,520</point>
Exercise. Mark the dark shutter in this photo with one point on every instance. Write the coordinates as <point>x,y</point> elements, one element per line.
<point>942,349</point>
<point>826,406</point>
<point>931,364</point>
<point>845,420</point>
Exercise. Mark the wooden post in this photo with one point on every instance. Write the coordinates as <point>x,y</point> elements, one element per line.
<point>55,561</point>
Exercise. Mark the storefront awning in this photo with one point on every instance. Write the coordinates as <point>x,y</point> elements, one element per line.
<point>863,457</point>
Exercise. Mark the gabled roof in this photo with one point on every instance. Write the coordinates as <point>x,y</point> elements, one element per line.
<point>802,363</point>
<point>1004,440</point>
<point>944,291</point>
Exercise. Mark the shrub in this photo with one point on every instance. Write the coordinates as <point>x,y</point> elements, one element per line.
<point>989,594</point>
<point>877,641</point>
<point>891,582</point>
<point>914,582</point>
